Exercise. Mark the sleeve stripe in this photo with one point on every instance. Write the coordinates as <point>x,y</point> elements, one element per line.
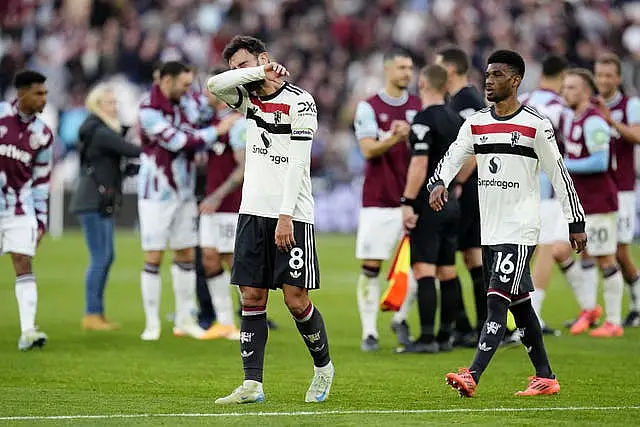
<point>576,210</point>
<point>240,98</point>
<point>301,138</point>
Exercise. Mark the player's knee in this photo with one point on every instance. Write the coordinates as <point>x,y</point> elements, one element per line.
<point>297,300</point>
<point>497,305</point>
<point>186,255</point>
<point>472,257</point>
<point>561,252</point>
<point>211,260</point>
<point>153,257</point>
<point>622,253</point>
<point>421,269</point>
<point>607,262</point>
<point>21,264</point>
<point>446,273</point>
<point>253,297</point>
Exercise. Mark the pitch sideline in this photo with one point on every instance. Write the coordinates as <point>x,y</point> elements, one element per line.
<point>330,412</point>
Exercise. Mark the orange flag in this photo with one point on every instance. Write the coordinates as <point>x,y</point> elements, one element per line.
<point>398,278</point>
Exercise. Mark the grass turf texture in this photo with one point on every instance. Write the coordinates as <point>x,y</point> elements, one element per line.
<point>113,373</point>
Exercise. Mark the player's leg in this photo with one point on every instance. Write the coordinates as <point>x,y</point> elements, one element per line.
<point>504,265</point>
<point>613,289</point>
<point>541,275</point>
<point>469,245</point>
<point>206,314</point>
<point>18,237</point>
<point>626,229</point>
<point>155,218</point>
<point>298,272</point>
<point>448,278</point>
<point>253,271</point>
<point>378,231</point>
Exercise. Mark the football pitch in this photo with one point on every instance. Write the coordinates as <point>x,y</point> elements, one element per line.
<point>114,378</point>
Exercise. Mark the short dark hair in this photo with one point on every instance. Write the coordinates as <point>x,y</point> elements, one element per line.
<point>436,76</point>
<point>251,44</point>
<point>509,57</point>
<point>610,58</point>
<point>25,78</point>
<point>394,53</point>
<point>587,76</point>
<point>554,65</point>
<point>173,69</point>
<point>456,57</point>
<point>157,66</point>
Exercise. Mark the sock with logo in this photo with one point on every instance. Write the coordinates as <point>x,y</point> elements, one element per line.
<point>151,287</point>
<point>427,306</point>
<point>253,340</point>
<point>491,336</point>
<point>613,289</point>
<point>531,337</point>
<point>368,294</point>
<point>27,296</point>
<point>311,327</point>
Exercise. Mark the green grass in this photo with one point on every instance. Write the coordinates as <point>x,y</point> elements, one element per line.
<point>80,373</point>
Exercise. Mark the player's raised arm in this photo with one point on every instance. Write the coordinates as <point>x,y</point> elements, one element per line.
<point>171,137</point>
<point>367,132</point>
<point>40,186</point>
<point>551,161</point>
<point>449,166</point>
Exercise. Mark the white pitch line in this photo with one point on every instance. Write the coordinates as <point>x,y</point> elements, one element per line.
<point>331,412</point>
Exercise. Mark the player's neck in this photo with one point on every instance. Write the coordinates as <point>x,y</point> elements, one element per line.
<point>507,106</point>
<point>269,87</point>
<point>554,85</point>
<point>610,96</point>
<point>393,90</point>
<point>25,113</point>
<point>582,107</point>
<point>431,98</point>
<point>457,83</point>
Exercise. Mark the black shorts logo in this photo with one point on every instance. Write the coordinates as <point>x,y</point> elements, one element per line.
<point>296,262</point>
<point>504,266</point>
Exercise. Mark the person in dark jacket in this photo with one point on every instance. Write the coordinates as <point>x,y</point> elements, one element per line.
<point>98,195</point>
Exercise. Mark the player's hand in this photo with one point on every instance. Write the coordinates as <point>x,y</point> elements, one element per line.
<point>409,218</point>
<point>602,107</point>
<point>400,128</point>
<point>210,204</point>
<point>224,126</point>
<point>201,158</point>
<point>274,71</point>
<point>438,197</point>
<point>578,241</point>
<point>284,233</point>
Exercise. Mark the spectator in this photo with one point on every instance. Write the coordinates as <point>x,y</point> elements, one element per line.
<point>98,195</point>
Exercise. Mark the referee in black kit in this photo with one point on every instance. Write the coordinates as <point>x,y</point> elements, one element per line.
<point>433,235</point>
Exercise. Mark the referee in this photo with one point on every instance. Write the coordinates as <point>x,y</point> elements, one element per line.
<point>433,235</point>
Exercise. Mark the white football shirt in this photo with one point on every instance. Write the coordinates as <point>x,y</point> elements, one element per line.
<point>277,178</point>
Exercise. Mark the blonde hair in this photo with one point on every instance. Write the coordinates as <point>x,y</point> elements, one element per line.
<point>94,98</point>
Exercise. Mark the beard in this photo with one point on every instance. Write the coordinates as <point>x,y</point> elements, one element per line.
<point>253,86</point>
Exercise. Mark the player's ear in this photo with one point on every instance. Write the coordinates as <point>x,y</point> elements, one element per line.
<point>263,58</point>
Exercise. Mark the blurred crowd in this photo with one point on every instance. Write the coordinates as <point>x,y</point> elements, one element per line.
<point>333,49</point>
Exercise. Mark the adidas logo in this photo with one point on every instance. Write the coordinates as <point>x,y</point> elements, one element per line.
<point>295,274</point>
<point>483,347</point>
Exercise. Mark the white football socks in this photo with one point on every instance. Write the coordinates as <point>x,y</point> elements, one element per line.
<point>613,290</point>
<point>27,296</point>
<point>589,287</point>
<point>220,291</point>
<point>634,294</point>
<point>537,298</point>
<point>151,286</point>
<point>183,279</point>
<point>368,293</point>
<point>575,276</point>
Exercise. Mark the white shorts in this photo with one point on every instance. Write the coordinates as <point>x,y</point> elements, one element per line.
<point>18,235</point>
<point>602,234</point>
<point>553,224</point>
<point>626,216</point>
<point>379,230</point>
<point>218,231</point>
<point>172,223</point>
